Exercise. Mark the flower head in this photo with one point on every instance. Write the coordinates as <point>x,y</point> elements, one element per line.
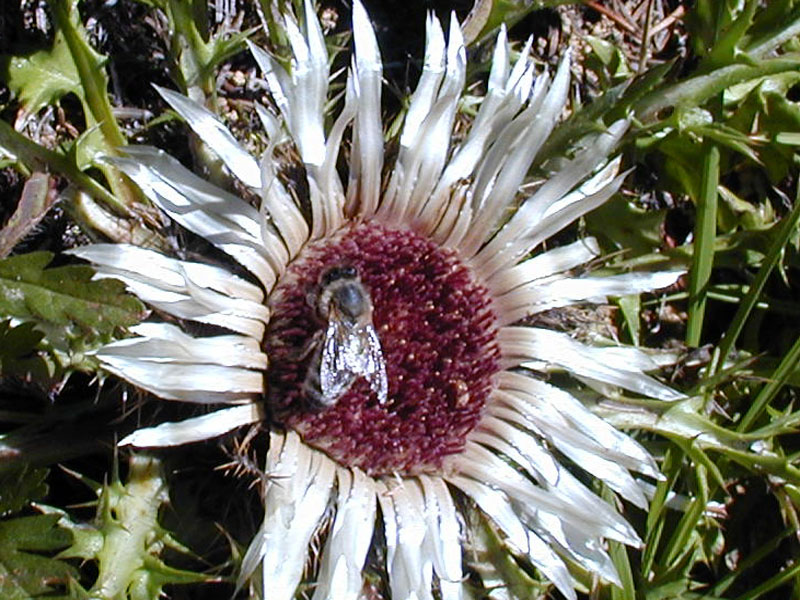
<point>435,262</point>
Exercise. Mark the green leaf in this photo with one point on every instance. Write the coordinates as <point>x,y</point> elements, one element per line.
<point>20,356</point>
<point>727,47</point>
<point>697,90</point>
<point>71,313</point>
<point>607,61</point>
<point>695,434</point>
<point>776,23</point>
<point>20,487</point>
<point>90,68</point>
<point>737,213</point>
<point>783,233</point>
<point>30,156</point>
<point>631,309</point>
<point>25,570</point>
<point>198,54</point>
<point>622,225</point>
<point>64,296</point>
<point>42,77</point>
<point>71,65</point>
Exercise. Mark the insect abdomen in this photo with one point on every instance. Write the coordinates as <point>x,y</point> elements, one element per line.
<point>312,385</point>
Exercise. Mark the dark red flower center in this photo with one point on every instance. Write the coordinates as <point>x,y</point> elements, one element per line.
<point>437,333</point>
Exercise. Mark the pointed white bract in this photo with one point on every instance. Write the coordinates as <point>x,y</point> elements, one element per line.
<point>366,164</point>
<point>301,94</point>
<point>224,220</point>
<point>350,537</point>
<point>216,136</point>
<point>544,267</point>
<point>301,481</point>
<point>195,429</point>
<point>464,196</point>
<point>534,347</point>
<point>498,507</point>
<point>428,85</point>
<point>176,366</point>
<point>538,296</point>
<point>443,536</point>
<point>409,567</point>
<point>187,290</point>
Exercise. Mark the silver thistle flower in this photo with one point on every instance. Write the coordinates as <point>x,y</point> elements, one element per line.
<point>451,272</point>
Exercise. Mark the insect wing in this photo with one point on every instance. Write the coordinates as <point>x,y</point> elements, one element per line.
<point>335,375</point>
<point>348,353</point>
<point>374,365</point>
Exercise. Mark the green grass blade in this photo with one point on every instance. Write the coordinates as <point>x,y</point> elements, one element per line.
<point>656,519</point>
<point>772,583</point>
<point>681,541</point>
<point>619,556</point>
<point>704,235</point>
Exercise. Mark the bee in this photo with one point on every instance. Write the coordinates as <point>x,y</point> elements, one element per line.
<point>349,346</point>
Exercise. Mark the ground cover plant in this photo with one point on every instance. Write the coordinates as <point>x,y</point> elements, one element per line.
<point>599,197</point>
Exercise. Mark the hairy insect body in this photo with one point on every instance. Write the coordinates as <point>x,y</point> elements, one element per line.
<point>349,347</point>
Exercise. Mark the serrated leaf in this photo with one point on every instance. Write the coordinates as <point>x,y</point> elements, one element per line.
<point>65,296</point>
<point>25,572</point>
<point>726,47</point>
<point>42,77</point>
<point>45,76</point>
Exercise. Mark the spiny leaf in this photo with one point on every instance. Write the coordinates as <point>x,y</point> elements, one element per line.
<point>64,296</point>
<point>42,77</point>
<point>126,538</point>
<point>71,65</point>
<point>25,570</point>
<point>727,48</point>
